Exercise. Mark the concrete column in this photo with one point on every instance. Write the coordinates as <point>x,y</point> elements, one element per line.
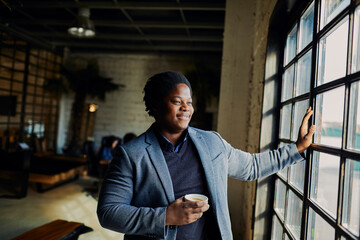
<point>240,103</point>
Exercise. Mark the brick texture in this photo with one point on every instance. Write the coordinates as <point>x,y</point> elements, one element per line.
<point>124,110</point>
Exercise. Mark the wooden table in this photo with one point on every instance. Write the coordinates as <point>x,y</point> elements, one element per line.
<point>54,156</point>
<point>55,230</point>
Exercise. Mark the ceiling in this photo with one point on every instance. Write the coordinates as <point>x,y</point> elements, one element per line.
<point>163,26</point>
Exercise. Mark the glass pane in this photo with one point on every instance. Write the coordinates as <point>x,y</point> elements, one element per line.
<point>325,180</point>
<point>351,201</point>
<point>287,84</point>
<point>293,214</point>
<point>283,173</point>
<point>276,232</point>
<point>330,9</point>
<point>290,48</point>
<point>355,66</point>
<point>280,191</point>
<point>299,112</point>
<point>285,120</point>
<point>287,237</point>
<point>318,228</point>
<point>329,117</point>
<point>297,172</point>
<point>306,27</point>
<point>333,54</point>
<point>303,74</point>
<point>354,117</point>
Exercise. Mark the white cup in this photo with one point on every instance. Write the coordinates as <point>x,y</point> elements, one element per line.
<point>196,197</point>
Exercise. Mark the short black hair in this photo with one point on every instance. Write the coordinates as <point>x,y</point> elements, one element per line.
<point>158,87</point>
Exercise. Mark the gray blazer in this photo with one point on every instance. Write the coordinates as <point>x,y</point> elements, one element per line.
<point>137,187</point>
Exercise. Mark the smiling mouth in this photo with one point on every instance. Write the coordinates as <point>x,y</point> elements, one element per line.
<point>185,117</point>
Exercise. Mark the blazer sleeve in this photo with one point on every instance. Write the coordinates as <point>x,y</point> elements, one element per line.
<point>245,166</point>
<point>114,208</point>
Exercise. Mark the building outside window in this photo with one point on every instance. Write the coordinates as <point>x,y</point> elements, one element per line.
<point>319,198</point>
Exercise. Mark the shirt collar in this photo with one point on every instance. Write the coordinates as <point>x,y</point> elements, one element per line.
<point>167,146</point>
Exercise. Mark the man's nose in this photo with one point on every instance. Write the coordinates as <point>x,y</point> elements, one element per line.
<point>184,107</point>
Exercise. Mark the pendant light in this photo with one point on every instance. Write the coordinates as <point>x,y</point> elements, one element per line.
<point>83,27</point>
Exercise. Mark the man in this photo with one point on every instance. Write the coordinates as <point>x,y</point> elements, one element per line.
<point>143,192</point>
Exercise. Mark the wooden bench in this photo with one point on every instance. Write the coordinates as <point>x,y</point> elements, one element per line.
<point>51,170</point>
<point>47,181</point>
<point>55,230</point>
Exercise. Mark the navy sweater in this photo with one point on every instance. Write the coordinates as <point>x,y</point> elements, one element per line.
<point>187,175</point>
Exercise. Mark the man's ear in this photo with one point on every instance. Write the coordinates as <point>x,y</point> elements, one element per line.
<point>156,108</point>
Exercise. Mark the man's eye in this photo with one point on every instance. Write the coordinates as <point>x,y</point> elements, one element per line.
<point>176,102</point>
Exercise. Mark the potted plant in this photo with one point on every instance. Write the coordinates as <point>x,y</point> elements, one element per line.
<point>83,82</point>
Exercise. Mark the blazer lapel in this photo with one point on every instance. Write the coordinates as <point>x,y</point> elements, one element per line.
<point>206,160</point>
<point>159,163</point>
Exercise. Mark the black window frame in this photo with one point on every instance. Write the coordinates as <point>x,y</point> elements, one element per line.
<point>292,15</point>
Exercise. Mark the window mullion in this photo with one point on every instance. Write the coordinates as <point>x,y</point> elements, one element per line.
<point>340,210</point>
<point>340,195</point>
<point>345,124</point>
<point>24,94</point>
<point>306,196</point>
<point>35,94</point>
<point>286,207</point>
<point>308,164</point>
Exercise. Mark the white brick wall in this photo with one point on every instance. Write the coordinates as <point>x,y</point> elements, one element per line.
<point>124,110</point>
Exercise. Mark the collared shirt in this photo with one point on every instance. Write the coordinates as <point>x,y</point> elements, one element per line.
<point>166,145</point>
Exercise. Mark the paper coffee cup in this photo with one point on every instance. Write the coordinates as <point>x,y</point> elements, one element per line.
<point>196,197</point>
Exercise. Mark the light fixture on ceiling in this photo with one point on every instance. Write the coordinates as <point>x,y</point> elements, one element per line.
<point>83,27</point>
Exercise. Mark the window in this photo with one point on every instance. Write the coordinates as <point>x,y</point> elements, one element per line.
<point>34,112</point>
<point>319,198</point>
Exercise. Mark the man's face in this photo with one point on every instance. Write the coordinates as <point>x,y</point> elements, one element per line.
<point>176,110</point>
